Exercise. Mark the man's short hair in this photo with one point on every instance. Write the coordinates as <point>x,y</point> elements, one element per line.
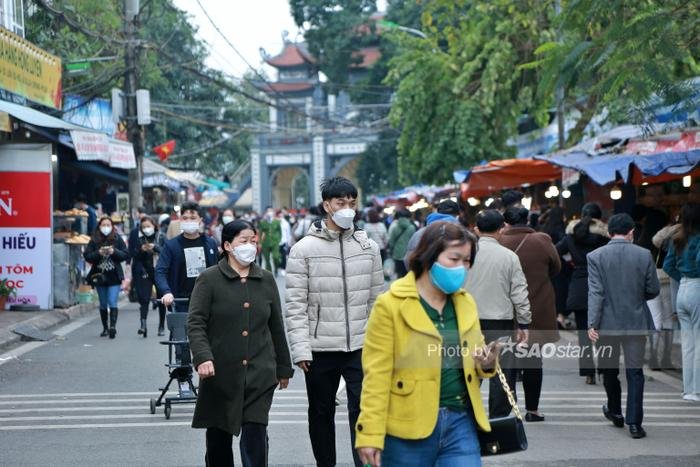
<point>190,206</point>
<point>620,224</point>
<point>511,197</point>
<point>489,221</point>
<point>448,207</point>
<point>337,187</point>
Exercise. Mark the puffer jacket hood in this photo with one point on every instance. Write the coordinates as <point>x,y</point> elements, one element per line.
<point>332,281</point>
<point>597,227</point>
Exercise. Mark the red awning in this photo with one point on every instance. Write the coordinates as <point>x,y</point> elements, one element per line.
<point>508,173</point>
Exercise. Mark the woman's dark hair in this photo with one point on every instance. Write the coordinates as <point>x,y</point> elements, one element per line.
<point>403,212</point>
<point>553,223</point>
<point>373,216</point>
<point>97,236</point>
<point>149,219</point>
<point>589,212</point>
<point>232,230</point>
<point>690,224</point>
<point>437,238</point>
<point>516,215</point>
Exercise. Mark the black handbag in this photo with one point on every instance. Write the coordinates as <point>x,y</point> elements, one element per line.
<point>507,433</point>
<point>97,279</point>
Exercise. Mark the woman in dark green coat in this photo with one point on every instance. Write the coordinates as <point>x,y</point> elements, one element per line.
<point>239,349</point>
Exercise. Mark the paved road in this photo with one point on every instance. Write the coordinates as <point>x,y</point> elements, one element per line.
<point>84,400</point>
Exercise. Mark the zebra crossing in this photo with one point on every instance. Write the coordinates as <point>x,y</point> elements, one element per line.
<point>125,410</point>
<point>63,411</point>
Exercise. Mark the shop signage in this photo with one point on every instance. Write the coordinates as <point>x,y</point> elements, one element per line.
<point>25,236</point>
<point>98,147</point>
<point>29,71</point>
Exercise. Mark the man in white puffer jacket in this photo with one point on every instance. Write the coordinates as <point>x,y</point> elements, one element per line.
<point>334,275</point>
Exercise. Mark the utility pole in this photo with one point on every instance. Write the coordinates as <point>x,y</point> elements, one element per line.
<point>134,130</point>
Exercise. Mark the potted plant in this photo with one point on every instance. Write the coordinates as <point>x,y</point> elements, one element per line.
<point>6,289</point>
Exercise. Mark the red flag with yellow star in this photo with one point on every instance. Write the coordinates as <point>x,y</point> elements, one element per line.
<point>164,150</point>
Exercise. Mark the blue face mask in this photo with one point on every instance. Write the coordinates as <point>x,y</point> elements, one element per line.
<point>449,280</point>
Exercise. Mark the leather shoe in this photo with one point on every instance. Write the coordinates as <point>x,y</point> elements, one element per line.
<point>617,419</point>
<point>636,431</point>
<point>533,417</point>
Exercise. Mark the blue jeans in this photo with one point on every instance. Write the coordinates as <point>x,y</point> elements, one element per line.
<point>109,295</point>
<point>453,443</point>
<point>688,309</point>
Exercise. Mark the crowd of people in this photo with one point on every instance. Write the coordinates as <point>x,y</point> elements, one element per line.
<point>463,296</point>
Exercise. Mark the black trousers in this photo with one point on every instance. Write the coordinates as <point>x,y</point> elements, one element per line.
<point>498,400</point>
<point>586,365</point>
<point>253,445</point>
<point>322,382</point>
<point>532,381</point>
<point>609,365</point>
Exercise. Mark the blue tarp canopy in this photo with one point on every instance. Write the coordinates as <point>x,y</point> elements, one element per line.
<point>606,168</point>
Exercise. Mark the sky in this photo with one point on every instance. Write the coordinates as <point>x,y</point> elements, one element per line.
<point>247,24</point>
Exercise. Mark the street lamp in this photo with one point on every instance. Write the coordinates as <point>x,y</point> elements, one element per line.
<point>615,193</point>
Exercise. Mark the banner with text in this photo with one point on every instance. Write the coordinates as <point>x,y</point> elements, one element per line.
<point>99,147</point>
<point>25,236</point>
<point>29,71</point>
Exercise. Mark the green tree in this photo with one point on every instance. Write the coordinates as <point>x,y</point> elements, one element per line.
<point>460,92</point>
<point>621,59</point>
<point>377,171</point>
<point>334,30</point>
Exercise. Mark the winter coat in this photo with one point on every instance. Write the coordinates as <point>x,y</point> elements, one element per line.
<point>401,385</point>
<point>377,232</point>
<point>578,248</point>
<point>114,274</point>
<point>332,282</point>
<point>237,323</point>
<point>143,260</point>
<point>621,278</point>
<point>540,262</point>
<point>399,237</point>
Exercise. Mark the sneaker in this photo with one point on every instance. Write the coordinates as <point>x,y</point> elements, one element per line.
<point>691,397</point>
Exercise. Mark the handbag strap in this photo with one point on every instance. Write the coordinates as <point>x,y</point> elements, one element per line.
<point>521,244</point>
<point>506,389</point>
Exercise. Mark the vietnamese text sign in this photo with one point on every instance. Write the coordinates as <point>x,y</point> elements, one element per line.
<point>98,147</point>
<point>90,146</point>
<point>121,155</point>
<point>29,71</point>
<point>25,235</point>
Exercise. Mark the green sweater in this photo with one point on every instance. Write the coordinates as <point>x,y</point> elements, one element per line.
<point>453,389</point>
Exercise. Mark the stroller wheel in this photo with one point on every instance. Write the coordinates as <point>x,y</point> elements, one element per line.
<point>153,406</point>
<point>167,412</point>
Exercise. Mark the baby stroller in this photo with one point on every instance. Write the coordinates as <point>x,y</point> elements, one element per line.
<point>179,364</point>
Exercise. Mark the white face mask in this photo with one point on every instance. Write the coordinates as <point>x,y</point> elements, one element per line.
<point>227,219</point>
<point>148,231</point>
<point>343,218</point>
<point>106,230</point>
<point>245,253</point>
<point>189,227</point>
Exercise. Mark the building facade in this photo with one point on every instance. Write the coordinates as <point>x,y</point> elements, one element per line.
<point>311,134</point>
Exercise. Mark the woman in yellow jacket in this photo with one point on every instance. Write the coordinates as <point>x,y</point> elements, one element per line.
<point>422,359</point>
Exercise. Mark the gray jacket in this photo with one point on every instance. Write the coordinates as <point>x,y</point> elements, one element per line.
<point>332,282</point>
<point>497,283</point>
<point>621,278</point>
